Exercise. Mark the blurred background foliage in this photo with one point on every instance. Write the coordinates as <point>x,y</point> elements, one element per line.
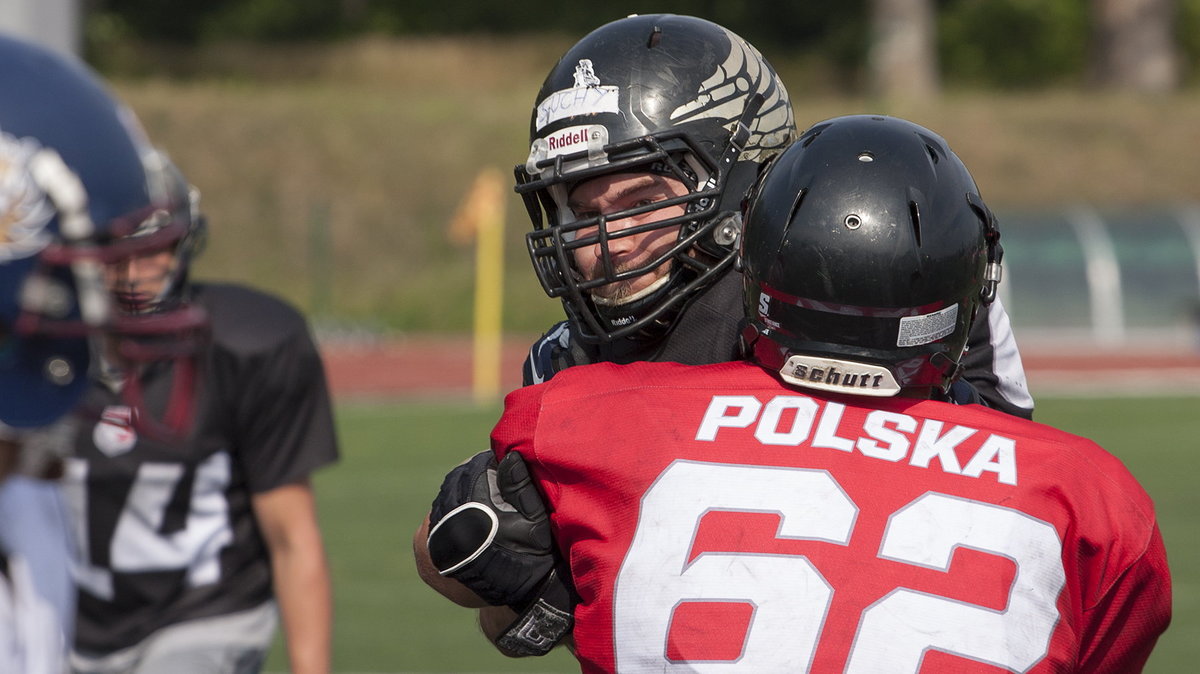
<point>333,140</point>
<point>984,43</point>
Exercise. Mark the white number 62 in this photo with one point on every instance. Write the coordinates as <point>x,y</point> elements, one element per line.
<point>894,632</point>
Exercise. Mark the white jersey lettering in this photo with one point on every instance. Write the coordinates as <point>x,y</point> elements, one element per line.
<point>890,436</point>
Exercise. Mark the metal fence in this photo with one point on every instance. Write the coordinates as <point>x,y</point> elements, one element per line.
<point>1103,278</point>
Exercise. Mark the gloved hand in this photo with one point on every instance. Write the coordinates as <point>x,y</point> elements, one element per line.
<point>489,530</point>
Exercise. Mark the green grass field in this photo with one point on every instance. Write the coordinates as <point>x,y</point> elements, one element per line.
<point>395,454</point>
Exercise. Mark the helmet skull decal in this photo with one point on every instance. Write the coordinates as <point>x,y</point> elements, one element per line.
<point>24,209</point>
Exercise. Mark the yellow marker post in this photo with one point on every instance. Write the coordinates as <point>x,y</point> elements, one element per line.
<point>482,215</point>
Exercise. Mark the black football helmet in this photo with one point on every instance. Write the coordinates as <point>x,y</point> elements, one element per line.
<point>673,95</point>
<point>75,174</point>
<point>867,251</point>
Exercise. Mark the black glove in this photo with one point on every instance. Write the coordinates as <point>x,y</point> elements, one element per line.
<point>489,530</point>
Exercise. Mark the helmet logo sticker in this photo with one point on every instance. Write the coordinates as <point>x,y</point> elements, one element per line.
<point>576,138</point>
<point>918,330</point>
<point>590,137</point>
<point>586,97</point>
<point>24,209</point>
<point>114,434</point>
<point>764,311</point>
<point>839,376</point>
<point>585,75</point>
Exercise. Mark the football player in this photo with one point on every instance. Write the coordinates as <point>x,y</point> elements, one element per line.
<point>823,506</point>
<point>645,138</point>
<point>197,521</point>
<point>69,173</point>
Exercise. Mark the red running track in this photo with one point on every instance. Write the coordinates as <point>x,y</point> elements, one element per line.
<point>441,366</point>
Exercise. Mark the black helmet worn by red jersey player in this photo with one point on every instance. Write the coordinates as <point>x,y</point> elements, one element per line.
<point>867,251</point>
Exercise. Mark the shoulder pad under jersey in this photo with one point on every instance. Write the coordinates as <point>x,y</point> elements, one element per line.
<point>547,355</point>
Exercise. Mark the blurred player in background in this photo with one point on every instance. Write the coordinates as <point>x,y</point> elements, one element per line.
<point>645,138</point>
<point>823,507</point>
<point>69,172</point>
<point>190,479</point>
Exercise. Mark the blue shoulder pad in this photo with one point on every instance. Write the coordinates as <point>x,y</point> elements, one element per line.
<point>545,357</point>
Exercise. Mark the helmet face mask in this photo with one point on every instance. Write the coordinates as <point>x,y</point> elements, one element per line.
<point>867,252</point>
<point>669,95</point>
<point>691,257</point>
<point>174,225</point>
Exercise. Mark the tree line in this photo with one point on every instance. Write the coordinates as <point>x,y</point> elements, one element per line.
<point>1143,45</point>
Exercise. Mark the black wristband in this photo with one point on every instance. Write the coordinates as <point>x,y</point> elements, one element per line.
<point>543,623</point>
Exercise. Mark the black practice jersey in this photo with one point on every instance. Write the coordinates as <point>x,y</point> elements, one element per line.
<point>165,530</point>
<point>706,332</point>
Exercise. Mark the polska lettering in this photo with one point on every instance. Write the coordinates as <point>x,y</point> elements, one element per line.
<point>884,435</point>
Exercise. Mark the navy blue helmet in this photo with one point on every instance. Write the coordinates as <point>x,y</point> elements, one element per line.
<point>76,178</point>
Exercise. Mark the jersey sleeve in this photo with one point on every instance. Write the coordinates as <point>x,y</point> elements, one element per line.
<point>517,427</point>
<point>1123,626</point>
<point>284,427</point>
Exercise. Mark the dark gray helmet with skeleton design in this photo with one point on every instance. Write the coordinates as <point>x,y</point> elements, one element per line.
<point>667,94</point>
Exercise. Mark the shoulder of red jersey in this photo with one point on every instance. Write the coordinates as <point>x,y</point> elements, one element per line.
<point>1072,452</point>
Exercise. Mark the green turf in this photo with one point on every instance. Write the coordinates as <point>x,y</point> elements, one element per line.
<point>394,457</point>
<point>386,619</point>
<point>1159,440</point>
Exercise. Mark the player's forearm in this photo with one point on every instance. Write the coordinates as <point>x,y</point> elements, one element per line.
<point>288,520</point>
<point>493,620</point>
<point>302,588</point>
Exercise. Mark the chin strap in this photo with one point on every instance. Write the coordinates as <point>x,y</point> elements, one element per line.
<point>991,234</point>
<point>741,133</point>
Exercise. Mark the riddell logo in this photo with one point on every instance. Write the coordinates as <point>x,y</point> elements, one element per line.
<point>839,376</point>
<point>566,139</point>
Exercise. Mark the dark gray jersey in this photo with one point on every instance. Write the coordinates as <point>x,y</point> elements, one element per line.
<point>165,529</point>
<point>707,332</point>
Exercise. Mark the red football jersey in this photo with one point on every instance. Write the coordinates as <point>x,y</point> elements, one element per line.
<point>716,520</point>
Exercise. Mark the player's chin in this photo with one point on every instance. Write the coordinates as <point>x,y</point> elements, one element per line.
<point>625,294</point>
<point>134,303</point>
<point>622,292</point>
